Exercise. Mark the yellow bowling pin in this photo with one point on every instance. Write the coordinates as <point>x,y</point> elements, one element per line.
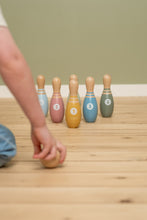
<point>73,109</point>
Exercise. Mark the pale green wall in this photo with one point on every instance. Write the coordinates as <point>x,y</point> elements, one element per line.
<point>87,37</point>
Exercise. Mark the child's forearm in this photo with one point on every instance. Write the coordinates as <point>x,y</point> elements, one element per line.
<point>21,84</point>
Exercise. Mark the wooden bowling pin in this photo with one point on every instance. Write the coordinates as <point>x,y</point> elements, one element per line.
<point>74,77</point>
<point>90,107</point>
<point>106,103</point>
<point>42,94</point>
<point>73,109</point>
<point>56,104</point>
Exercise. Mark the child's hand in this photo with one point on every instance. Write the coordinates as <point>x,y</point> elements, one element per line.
<point>45,145</point>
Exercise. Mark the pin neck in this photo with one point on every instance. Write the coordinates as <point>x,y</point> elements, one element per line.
<point>106,88</point>
<point>73,93</point>
<point>73,96</point>
<point>56,89</point>
<point>73,87</point>
<point>56,94</point>
<point>107,92</point>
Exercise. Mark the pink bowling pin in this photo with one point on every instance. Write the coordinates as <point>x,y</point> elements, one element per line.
<point>56,104</point>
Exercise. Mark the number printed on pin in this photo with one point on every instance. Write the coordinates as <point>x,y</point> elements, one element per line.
<point>56,107</point>
<point>108,102</point>
<point>73,111</point>
<point>89,106</point>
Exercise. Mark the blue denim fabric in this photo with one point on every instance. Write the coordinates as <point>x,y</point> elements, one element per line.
<point>7,145</point>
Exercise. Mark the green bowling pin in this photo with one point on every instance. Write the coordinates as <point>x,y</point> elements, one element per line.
<point>106,103</point>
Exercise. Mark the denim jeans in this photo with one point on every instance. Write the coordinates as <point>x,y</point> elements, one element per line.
<point>7,145</point>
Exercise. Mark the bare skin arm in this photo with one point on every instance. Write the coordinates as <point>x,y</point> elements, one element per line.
<point>17,76</point>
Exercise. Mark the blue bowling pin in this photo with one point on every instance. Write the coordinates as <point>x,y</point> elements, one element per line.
<point>90,107</point>
<point>42,94</point>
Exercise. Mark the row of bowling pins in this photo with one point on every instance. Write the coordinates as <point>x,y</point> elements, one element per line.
<point>73,109</point>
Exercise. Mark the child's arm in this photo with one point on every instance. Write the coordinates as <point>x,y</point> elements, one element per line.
<point>17,76</point>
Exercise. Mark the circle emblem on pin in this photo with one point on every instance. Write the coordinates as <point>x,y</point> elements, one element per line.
<point>56,107</point>
<point>73,111</point>
<point>89,106</point>
<point>108,102</point>
<point>41,102</point>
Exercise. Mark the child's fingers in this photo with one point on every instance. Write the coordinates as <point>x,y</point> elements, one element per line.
<point>45,151</point>
<point>52,154</point>
<point>62,149</point>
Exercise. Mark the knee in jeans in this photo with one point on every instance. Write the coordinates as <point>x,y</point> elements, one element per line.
<point>7,145</point>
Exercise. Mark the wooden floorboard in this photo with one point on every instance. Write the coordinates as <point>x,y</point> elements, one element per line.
<point>104,175</point>
<point>73,212</point>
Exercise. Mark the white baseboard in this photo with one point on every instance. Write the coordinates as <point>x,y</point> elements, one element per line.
<point>117,90</point>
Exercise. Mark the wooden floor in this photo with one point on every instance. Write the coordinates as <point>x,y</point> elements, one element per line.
<point>103,178</point>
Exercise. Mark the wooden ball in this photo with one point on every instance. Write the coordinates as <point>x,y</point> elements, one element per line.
<point>51,163</point>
